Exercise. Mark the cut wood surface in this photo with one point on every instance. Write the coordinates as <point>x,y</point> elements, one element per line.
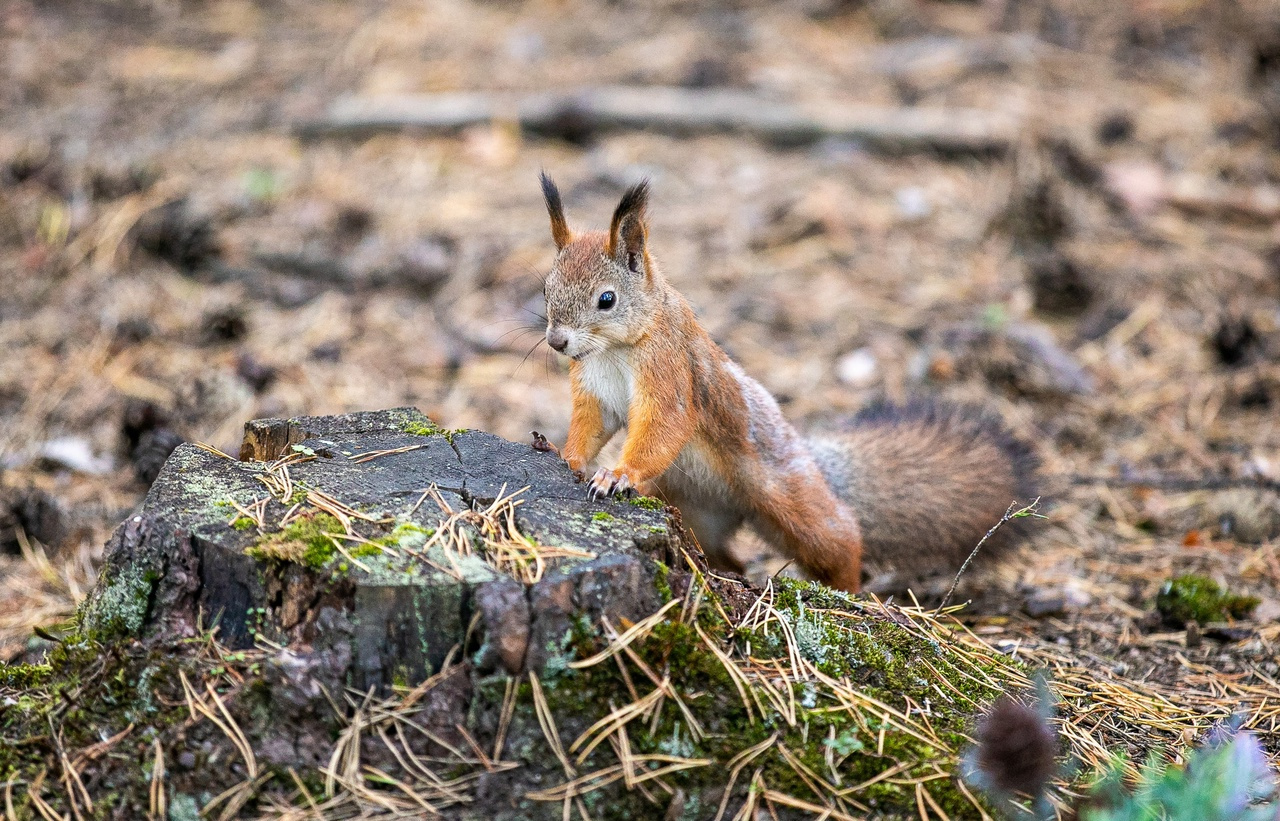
<point>579,113</point>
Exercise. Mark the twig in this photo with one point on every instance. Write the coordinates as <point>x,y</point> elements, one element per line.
<point>1010,514</point>
<point>211,449</point>
<point>369,456</point>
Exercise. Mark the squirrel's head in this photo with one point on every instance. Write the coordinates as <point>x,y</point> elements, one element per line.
<point>601,287</point>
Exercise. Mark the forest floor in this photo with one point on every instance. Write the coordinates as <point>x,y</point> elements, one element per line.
<point>175,260</point>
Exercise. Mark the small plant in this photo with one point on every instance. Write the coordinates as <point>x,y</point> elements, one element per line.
<point>1226,780</point>
<point>845,744</point>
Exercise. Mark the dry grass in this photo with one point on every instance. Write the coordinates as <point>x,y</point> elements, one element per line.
<point>1096,716</point>
<point>39,595</point>
<point>793,258</point>
<point>491,534</point>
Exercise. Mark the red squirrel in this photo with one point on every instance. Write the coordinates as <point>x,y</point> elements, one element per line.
<point>915,486</point>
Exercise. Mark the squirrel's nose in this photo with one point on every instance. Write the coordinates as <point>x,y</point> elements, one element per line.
<point>558,338</point>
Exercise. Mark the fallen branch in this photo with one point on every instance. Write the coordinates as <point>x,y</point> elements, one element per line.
<point>580,113</point>
<point>1179,483</point>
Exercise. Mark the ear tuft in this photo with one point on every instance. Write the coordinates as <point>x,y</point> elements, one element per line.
<point>628,226</point>
<point>560,233</point>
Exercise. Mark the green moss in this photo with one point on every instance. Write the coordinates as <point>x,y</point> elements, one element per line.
<point>1202,600</point>
<point>307,541</point>
<point>601,516</point>
<point>362,550</point>
<point>87,692</point>
<point>242,523</point>
<point>406,534</point>
<point>882,657</point>
<point>119,603</point>
<point>318,554</point>
<point>647,502</point>
<point>661,581</point>
<point>419,427</point>
<point>23,676</point>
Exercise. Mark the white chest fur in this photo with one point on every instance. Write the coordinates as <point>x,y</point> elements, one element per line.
<point>608,376</point>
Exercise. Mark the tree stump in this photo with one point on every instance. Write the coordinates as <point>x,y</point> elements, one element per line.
<point>382,544</point>
<point>444,624</point>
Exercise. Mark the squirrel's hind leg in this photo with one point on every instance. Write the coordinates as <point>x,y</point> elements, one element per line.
<point>713,530</point>
<point>712,526</point>
<point>817,530</point>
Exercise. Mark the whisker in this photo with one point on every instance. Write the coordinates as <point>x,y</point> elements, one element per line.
<point>617,359</point>
<point>530,269</point>
<point>521,330</point>
<point>508,320</point>
<point>529,354</point>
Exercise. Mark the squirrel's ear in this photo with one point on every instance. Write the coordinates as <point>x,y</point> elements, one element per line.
<point>627,233</point>
<point>560,233</point>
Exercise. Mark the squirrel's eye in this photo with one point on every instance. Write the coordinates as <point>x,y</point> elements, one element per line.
<point>606,300</point>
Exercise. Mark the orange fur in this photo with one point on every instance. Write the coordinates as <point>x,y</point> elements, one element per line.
<point>818,532</point>
<point>586,430</point>
<point>656,429</point>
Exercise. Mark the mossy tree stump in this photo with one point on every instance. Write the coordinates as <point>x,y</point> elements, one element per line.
<point>361,570</point>
<point>508,661</point>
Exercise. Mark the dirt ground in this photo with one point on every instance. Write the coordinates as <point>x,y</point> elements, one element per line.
<point>175,260</point>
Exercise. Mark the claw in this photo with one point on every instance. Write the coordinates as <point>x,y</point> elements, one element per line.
<point>541,443</point>
<point>607,483</point>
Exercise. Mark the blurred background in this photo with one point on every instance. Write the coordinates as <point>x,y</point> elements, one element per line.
<point>1064,211</point>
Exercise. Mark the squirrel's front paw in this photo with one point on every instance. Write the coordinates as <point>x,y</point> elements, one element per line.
<point>607,483</point>
<point>543,444</point>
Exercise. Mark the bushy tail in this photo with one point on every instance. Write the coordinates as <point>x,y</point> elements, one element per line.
<point>927,481</point>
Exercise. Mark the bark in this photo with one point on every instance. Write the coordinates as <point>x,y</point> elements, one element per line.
<point>180,565</point>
